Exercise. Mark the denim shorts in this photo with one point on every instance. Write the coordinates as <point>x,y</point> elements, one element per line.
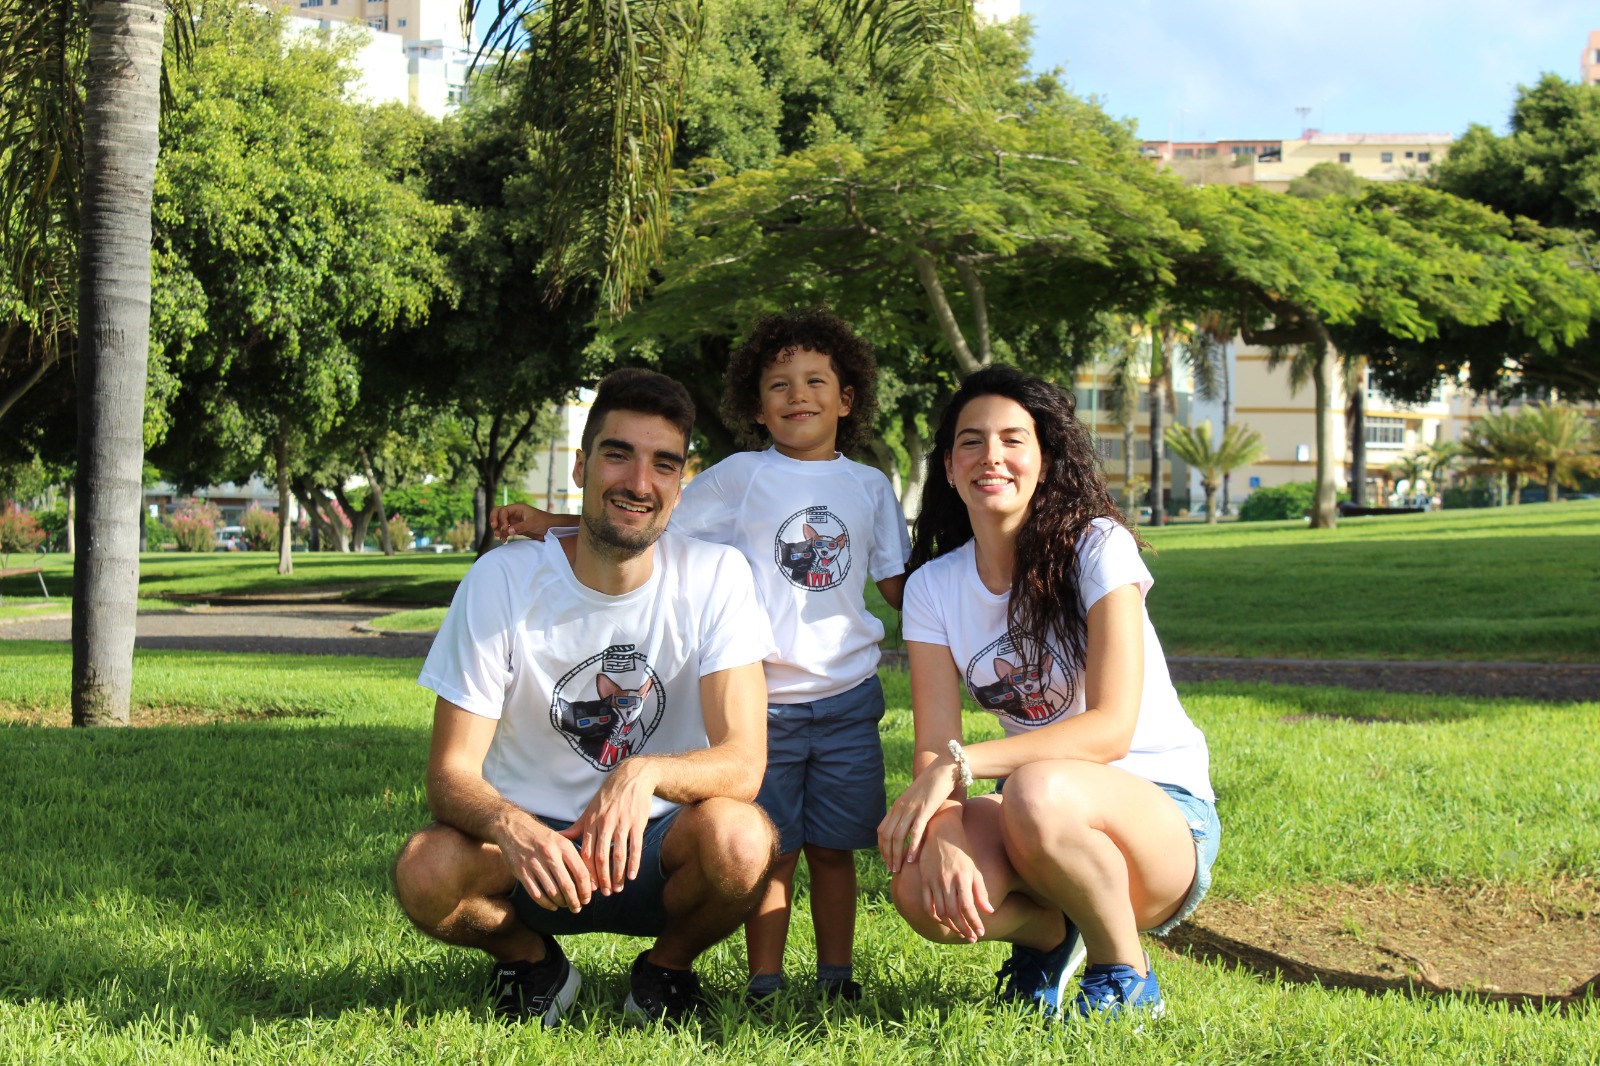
<point>635,911</point>
<point>824,780</point>
<point>1206,829</point>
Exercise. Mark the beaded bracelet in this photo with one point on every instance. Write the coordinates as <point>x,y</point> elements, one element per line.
<point>961,772</point>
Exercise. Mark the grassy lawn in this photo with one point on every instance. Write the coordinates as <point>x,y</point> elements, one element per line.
<point>217,891</point>
<point>1509,583</point>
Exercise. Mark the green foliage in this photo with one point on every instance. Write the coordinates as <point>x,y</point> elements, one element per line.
<point>260,529</point>
<point>157,533</point>
<point>279,236</point>
<point>1278,502</point>
<point>400,534</point>
<point>459,536</point>
<point>1325,180</point>
<point>432,510</point>
<point>1240,446</point>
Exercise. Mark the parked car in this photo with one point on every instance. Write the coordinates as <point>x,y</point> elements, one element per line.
<point>230,539</point>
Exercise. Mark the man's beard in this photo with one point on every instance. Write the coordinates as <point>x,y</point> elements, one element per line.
<point>611,540</point>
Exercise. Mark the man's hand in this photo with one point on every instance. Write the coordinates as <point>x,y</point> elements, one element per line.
<point>610,830</point>
<point>544,861</point>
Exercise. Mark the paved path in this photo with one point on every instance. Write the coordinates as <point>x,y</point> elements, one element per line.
<point>291,629</point>
<point>319,628</point>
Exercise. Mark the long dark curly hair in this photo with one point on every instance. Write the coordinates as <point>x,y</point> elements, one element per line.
<point>821,331</point>
<point>1070,494</point>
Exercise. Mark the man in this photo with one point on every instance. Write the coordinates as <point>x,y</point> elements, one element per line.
<point>599,734</point>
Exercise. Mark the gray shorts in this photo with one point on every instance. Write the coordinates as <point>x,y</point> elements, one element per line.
<point>824,780</point>
<point>1206,829</point>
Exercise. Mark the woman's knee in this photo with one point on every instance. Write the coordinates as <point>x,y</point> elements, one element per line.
<point>1044,808</point>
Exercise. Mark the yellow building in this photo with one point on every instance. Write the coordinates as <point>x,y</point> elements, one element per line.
<point>1375,156</point>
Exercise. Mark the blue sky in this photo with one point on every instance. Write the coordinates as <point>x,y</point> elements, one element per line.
<point>1219,69</point>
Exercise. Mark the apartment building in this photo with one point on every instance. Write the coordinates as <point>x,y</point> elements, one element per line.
<point>415,52</point>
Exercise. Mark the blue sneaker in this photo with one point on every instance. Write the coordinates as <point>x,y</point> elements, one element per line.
<point>1110,991</point>
<point>1031,977</point>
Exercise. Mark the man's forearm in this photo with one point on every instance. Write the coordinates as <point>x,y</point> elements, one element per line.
<point>725,771</point>
<point>469,803</point>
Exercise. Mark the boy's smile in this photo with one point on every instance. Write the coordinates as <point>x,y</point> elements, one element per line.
<point>802,402</point>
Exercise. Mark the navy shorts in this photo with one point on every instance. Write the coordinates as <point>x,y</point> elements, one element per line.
<point>635,911</point>
<point>824,781</point>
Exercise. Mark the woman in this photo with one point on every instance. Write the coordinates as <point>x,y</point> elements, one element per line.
<point>1027,592</point>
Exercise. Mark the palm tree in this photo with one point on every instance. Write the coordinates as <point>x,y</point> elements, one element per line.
<point>1441,457</point>
<point>1564,444</point>
<point>1412,469</point>
<point>92,158</point>
<point>1501,444</point>
<point>1240,446</point>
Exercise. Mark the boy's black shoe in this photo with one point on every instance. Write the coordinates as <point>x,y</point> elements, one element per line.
<point>544,990</point>
<point>656,993</point>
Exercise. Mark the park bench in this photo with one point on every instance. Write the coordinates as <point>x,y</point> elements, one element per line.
<point>22,571</point>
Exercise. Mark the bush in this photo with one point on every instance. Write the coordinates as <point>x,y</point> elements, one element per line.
<point>260,530</point>
<point>156,533</point>
<point>19,531</point>
<point>194,524</point>
<point>1291,500</point>
<point>400,534</point>
<point>54,524</point>
<point>460,536</point>
<point>430,509</point>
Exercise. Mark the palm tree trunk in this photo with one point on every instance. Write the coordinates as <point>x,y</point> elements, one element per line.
<point>121,141</point>
<point>1227,420</point>
<point>1129,504</point>
<point>1160,367</point>
<point>1324,514</point>
<point>1355,420</point>
<point>1211,503</point>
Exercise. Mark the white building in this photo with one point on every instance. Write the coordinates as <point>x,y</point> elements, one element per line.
<point>414,52</point>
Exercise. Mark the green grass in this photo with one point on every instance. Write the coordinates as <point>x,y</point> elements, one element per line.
<point>219,893</point>
<point>421,620</point>
<point>1510,583</point>
<point>1513,583</point>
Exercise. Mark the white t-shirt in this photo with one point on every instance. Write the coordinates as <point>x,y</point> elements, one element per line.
<point>947,603</point>
<point>580,680</point>
<point>812,531</point>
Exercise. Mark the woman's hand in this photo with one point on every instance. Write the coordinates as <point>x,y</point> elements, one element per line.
<point>953,892</point>
<point>900,834</point>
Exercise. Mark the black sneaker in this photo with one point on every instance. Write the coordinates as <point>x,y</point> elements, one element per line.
<point>846,990</point>
<point>544,990</point>
<point>656,993</point>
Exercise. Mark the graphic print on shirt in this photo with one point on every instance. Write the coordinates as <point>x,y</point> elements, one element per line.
<point>626,706</point>
<point>812,549</point>
<point>1025,686</point>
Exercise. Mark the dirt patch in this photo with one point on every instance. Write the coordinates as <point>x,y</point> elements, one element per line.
<point>165,715</point>
<point>1498,942</point>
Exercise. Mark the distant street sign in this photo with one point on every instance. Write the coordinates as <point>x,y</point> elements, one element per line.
<point>1255,483</point>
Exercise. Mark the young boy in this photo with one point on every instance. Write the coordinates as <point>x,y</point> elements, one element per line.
<point>813,524</point>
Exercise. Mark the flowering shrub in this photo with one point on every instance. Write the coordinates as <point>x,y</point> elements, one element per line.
<point>19,530</point>
<point>400,534</point>
<point>194,524</point>
<point>260,530</point>
<point>459,536</point>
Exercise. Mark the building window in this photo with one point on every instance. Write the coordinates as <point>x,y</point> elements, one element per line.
<point>1386,432</point>
<point>1344,157</point>
<point>1184,153</point>
<point>1386,157</point>
<point>1423,157</point>
<point>402,24</point>
<point>1244,149</point>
